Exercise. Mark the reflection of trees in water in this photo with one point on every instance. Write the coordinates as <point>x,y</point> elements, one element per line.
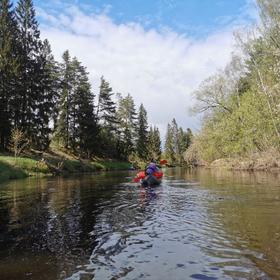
<point>207,177</point>
<point>119,220</point>
<point>245,206</point>
<point>51,219</point>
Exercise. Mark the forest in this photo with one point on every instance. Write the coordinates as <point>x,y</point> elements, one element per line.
<point>45,103</point>
<point>241,104</point>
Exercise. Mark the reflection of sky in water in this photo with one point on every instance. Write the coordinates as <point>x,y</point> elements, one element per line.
<point>197,225</point>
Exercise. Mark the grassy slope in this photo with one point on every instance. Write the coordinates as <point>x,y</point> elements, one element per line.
<point>11,168</point>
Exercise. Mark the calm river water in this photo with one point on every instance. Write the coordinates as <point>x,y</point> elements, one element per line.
<point>199,224</point>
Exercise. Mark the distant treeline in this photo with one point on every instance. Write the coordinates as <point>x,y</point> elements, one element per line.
<point>242,103</point>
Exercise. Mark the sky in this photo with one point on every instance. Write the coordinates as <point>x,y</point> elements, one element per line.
<point>159,51</point>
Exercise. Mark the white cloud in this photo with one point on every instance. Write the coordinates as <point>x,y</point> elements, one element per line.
<point>158,68</point>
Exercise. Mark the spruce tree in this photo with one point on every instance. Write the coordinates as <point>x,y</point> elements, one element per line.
<point>62,125</point>
<point>142,134</point>
<point>126,115</point>
<point>76,127</point>
<point>8,70</point>
<point>189,137</point>
<point>107,121</point>
<point>83,121</point>
<point>154,143</point>
<point>106,108</point>
<point>47,99</point>
<point>169,150</point>
<point>30,70</point>
<point>175,140</point>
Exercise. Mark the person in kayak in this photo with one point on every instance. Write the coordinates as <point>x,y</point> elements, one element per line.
<point>151,174</point>
<point>151,168</point>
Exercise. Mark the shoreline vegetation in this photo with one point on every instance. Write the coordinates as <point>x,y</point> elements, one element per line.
<point>244,164</point>
<point>265,161</point>
<point>50,104</point>
<point>53,163</point>
<point>240,104</point>
<point>58,163</point>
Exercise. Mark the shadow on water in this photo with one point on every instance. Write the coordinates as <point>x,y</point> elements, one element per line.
<point>198,224</point>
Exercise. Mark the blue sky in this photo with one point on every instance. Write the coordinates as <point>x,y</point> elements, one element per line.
<point>159,51</point>
<point>195,18</point>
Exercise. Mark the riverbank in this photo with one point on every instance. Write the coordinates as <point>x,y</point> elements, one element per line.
<point>267,162</point>
<point>53,163</point>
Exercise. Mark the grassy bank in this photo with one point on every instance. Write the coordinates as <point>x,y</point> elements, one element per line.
<point>33,165</point>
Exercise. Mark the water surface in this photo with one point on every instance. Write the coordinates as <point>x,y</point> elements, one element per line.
<point>198,224</point>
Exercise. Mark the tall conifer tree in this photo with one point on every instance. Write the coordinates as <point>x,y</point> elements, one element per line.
<point>62,125</point>
<point>142,134</point>
<point>126,115</point>
<point>169,145</point>
<point>106,108</point>
<point>8,69</point>
<point>154,143</point>
<point>30,70</point>
<point>47,99</point>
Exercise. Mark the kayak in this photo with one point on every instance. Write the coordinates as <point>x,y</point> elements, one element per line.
<point>149,180</point>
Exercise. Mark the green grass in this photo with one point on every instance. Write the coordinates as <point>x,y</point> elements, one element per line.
<point>21,167</point>
<point>8,172</point>
<point>113,165</point>
<point>75,166</point>
<point>27,164</point>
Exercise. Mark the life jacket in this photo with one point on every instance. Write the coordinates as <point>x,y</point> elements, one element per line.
<point>141,175</point>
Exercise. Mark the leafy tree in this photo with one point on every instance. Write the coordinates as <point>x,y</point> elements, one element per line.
<point>18,141</point>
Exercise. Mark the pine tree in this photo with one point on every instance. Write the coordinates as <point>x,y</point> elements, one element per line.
<point>142,134</point>
<point>8,69</point>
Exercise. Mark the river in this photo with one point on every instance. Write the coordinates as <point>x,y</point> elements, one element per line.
<point>198,224</point>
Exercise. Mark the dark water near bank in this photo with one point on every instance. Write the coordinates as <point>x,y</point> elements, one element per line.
<point>197,225</point>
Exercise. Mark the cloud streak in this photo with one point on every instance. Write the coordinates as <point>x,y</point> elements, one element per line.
<point>159,68</point>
